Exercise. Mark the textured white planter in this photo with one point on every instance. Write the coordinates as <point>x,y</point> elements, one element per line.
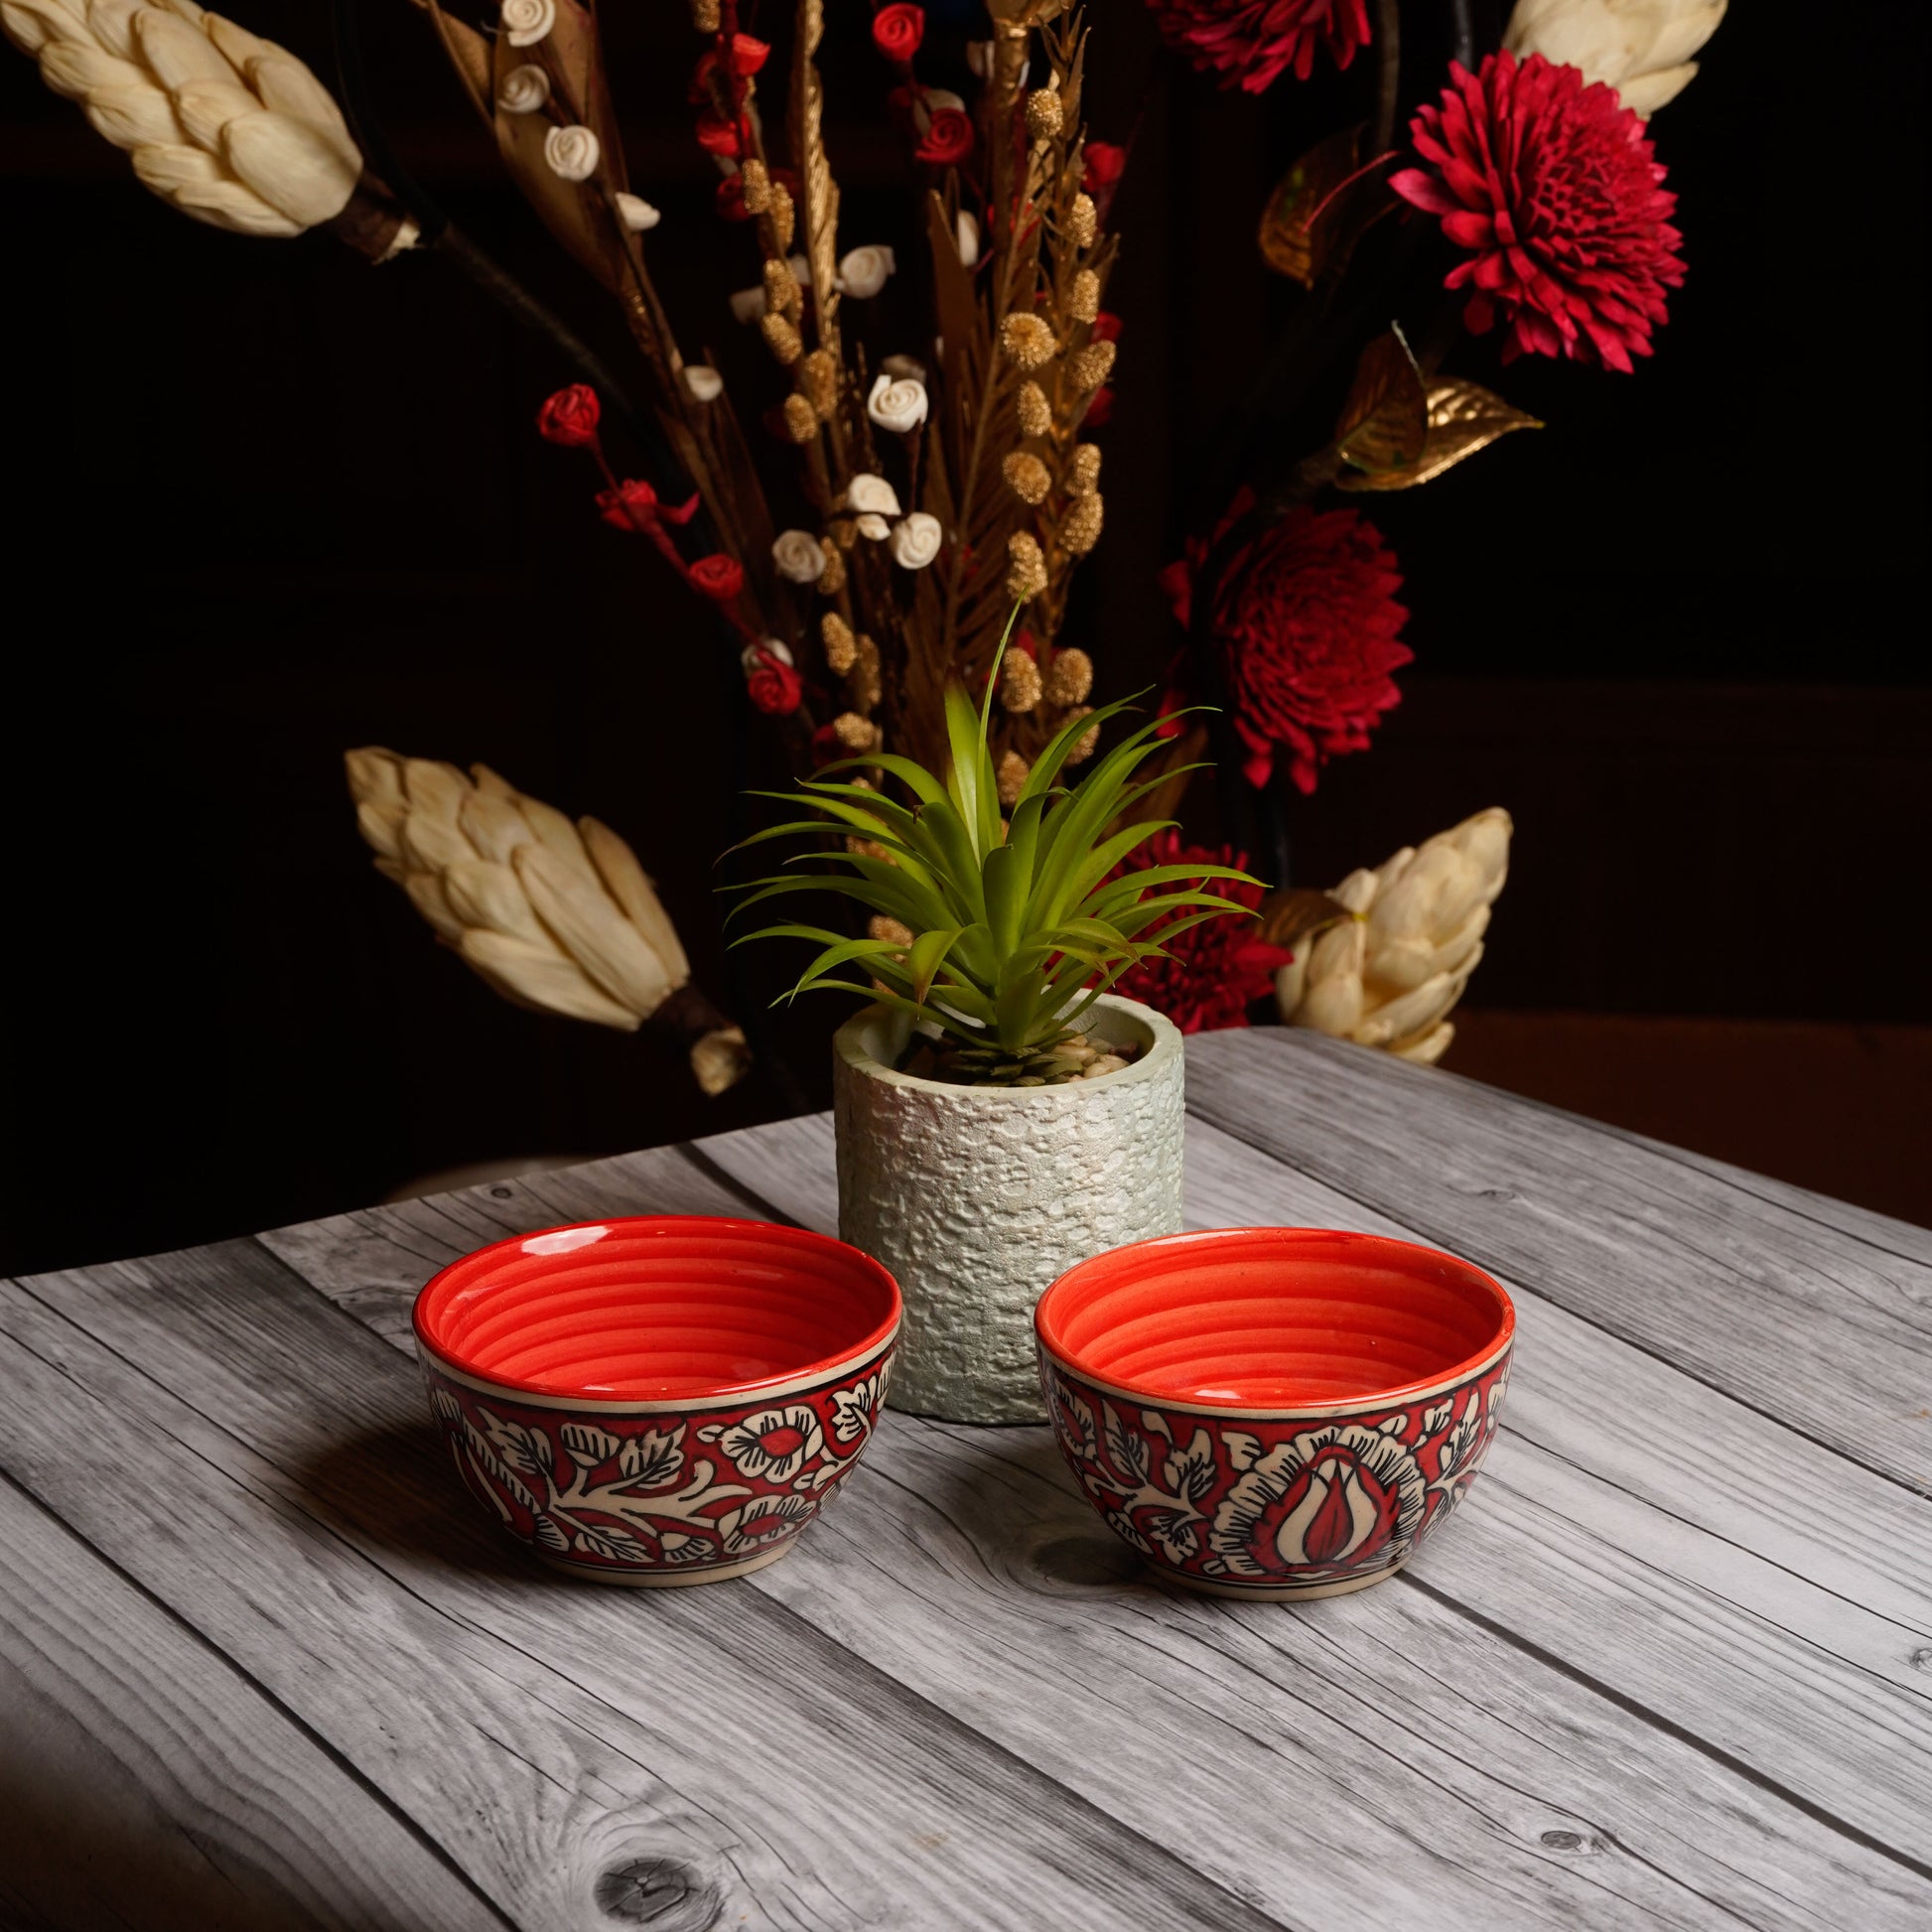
<point>978,1197</point>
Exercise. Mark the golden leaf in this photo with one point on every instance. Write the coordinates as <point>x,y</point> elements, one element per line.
<point>1293,242</point>
<point>1385,420</point>
<point>1289,915</point>
<point>1463,417</point>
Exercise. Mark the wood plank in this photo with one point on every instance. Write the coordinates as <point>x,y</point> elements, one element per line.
<point>263,1466</point>
<point>1805,1322</point>
<point>146,1782</point>
<point>987,1603</point>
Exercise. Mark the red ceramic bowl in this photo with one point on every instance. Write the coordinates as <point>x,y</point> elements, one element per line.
<point>657,1400</point>
<point>1274,1412</point>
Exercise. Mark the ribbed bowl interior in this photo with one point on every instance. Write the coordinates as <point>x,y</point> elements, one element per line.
<point>656,1306</point>
<point>1273,1318</point>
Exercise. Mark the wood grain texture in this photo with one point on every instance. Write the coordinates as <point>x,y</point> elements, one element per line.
<point>263,1466</point>
<point>1760,1298</point>
<point>1004,1599</point>
<point>145,1781</point>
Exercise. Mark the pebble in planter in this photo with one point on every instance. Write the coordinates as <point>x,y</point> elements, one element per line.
<point>1000,1116</point>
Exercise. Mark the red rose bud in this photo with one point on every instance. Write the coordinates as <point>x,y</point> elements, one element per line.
<point>731,200</point>
<point>948,140</point>
<point>748,56</point>
<point>1100,405</point>
<point>1105,327</point>
<point>717,577</point>
<point>776,687</point>
<point>570,417</point>
<point>897,30</point>
<point>634,502</point>
<point>721,134</point>
<point>1105,164</point>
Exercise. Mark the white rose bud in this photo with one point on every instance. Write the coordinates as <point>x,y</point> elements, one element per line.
<point>637,213</point>
<point>898,406</point>
<point>870,493</point>
<point>571,152</point>
<point>704,381</point>
<point>748,304</point>
<point>524,90</point>
<point>966,237</point>
<point>916,540</point>
<point>801,270</point>
<point>903,369</point>
<point>753,655</point>
<point>799,557</point>
<point>865,271</point>
<point>874,527</point>
<point>525,22</point>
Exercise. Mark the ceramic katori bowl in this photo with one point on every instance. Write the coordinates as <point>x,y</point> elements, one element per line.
<point>1274,1412</point>
<point>662,1399</point>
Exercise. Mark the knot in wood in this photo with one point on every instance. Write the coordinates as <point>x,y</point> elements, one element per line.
<point>666,1894</point>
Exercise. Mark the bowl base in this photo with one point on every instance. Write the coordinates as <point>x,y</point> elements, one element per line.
<point>1276,1592</point>
<point>664,1579</point>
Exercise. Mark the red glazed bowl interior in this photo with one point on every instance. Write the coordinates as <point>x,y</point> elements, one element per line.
<point>657,1307</point>
<point>1258,1318</point>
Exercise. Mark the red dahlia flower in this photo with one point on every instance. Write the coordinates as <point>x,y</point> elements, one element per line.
<point>1308,627</point>
<point>1249,43</point>
<point>897,30</point>
<point>1216,970</point>
<point>570,417</point>
<point>1552,187</point>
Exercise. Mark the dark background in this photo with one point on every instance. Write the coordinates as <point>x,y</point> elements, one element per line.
<point>268,503</point>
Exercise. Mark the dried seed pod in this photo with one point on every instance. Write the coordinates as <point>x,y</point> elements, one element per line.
<point>1069,678</point>
<point>757,184</point>
<point>1027,476</point>
<point>1028,340</point>
<point>1044,114</point>
<point>844,532</point>
<point>882,927</point>
<point>867,682</point>
<point>780,291</point>
<point>1083,298</point>
<point>1026,567</point>
<point>782,340</point>
<point>1011,776</point>
<point>1085,748</point>
<point>1083,473</point>
<point>801,419</point>
<point>1083,221</point>
<point>866,848</point>
<point>1018,682</point>
<point>1084,519</point>
<point>785,217</point>
<point>855,734</point>
<point>841,647</point>
<point>704,16</point>
<point>1093,366</point>
<point>831,580</point>
<point>821,381</point>
<point>1034,412</point>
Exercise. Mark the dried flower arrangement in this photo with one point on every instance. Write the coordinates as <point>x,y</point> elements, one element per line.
<point>997,929</point>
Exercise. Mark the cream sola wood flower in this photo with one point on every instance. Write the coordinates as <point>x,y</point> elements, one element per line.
<point>227,127</point>
<point>1641,48</point>
<point>555,917</point>
<point>1388,976</point>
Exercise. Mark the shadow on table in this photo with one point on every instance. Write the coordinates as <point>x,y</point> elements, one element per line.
<point>394,1488</point>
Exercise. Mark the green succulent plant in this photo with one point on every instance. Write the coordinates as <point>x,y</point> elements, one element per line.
<point>1017,925</point>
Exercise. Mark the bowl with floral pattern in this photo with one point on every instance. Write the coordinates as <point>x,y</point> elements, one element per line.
<point>1274,1412</point>
<point>657,1400</point>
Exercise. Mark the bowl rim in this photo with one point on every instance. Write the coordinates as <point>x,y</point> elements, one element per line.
<point>1470,1368</point>
<point>722,1395</point>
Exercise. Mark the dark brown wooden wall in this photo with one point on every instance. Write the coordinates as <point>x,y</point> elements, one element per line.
<point>268,503</point>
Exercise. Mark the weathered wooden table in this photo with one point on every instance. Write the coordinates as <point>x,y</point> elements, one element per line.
<point>263,1665</point>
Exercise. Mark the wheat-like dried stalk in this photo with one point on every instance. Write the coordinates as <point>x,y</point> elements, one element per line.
<point>227,127</point>
<point>554,916</point>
